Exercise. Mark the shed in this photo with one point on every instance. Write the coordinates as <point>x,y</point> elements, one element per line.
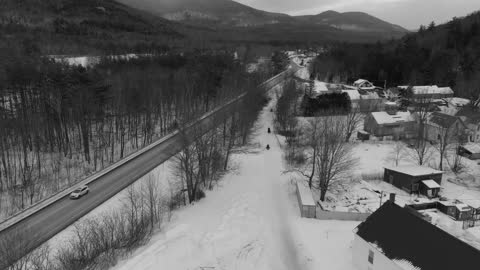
<point>305,202</point>
<point>415,179</point>
<point>430,188</point>
<point>470,151</point>
<point>363,135</point>
<point>463,212</point>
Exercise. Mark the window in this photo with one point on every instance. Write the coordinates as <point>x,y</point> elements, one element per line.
<point>370,256</point>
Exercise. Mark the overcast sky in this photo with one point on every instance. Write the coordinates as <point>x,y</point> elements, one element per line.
<point>407,13</point>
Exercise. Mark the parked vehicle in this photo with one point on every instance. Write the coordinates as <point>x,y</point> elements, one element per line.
<point>79,192</point>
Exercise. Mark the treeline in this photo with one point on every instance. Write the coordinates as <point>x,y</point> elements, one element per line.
<point>61,123</point>
<point>98,243</point>
<point>447,55</point>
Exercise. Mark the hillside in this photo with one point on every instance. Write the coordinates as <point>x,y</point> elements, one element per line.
<point>446,55</point>
<point>354,21</point>
<point>237,21</point>
<point>209,12</point>
<point>87,26</point>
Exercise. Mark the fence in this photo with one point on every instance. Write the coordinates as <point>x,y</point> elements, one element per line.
<point>333,215</point>
<point>305,201</point>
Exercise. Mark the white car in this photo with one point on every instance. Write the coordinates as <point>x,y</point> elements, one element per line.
<point>79,192</point>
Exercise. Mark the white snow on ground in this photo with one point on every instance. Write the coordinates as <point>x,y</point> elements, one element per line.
<point>326,244</point>
<point>250,222</point>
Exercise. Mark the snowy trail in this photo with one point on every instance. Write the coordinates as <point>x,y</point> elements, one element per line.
<point>245,223</point>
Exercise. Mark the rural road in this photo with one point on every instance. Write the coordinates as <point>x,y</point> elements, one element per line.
<point>46,223</point>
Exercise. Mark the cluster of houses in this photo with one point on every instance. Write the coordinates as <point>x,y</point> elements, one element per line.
<point>444,117</point>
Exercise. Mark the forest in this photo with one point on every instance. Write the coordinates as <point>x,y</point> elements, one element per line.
<point>61,123</point>
<point>445,55</point>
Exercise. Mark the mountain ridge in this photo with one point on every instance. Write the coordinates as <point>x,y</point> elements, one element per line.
<point>228,13</point>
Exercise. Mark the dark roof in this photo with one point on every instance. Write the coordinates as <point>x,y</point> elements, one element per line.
<point>443,120</point>
<point>473,117</point>
<point>404,236</point>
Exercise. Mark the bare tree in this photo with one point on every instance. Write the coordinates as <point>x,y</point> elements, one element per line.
<point>333,158</point>
<point>397,153</point>
<point>353,120</point>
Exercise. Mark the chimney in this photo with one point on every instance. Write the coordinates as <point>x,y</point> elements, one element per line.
<point>392,197</point>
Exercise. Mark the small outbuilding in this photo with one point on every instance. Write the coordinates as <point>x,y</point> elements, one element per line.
<point>415,179</point>
<point>463,211</point>
<point>470,151</point>
<point>363,135</point>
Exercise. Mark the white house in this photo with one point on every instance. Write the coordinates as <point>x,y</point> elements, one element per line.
<point>429,91</point>
<point>396,238</point>
<point>364,84</point>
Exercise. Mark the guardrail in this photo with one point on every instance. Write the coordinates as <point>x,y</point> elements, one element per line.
<point>94,177</point>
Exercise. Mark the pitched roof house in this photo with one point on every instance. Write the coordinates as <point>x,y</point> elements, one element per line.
<point>442,126</point>
<point>395,238</point>
<point>393,123</point>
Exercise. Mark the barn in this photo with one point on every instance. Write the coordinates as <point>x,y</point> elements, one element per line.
<point>415,179</point>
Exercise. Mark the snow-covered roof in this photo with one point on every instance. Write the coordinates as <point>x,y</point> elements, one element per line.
<point>473,201</point>
<point>353,94</point>
<point>305,195</point>
<point>428,89</point>
<point>431,184</point>
<point>414,170</point>
<point>457,102</point>
<point>473,148</point>
<point>462,207</point>
<point>360,81</point>
<point>385,118</point>
<point>319,87</point>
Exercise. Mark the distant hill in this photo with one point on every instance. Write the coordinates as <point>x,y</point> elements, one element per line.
<point>209,12</point>
<point>444,55</point>
<point>353,21</point>
<point>227,14</point>
<point>90,26</point>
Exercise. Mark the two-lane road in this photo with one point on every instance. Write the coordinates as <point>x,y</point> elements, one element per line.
<point>40,226</point>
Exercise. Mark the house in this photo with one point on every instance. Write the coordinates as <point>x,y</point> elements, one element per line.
<point>415,179</point>
<point>445,128</point>
<point>428,91</point>
<point>364,85</point>
<point>395,238</point>
<point>472,121</point>
<point>364,101</point>
<point>469,150</point>
<point>392,123</point>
